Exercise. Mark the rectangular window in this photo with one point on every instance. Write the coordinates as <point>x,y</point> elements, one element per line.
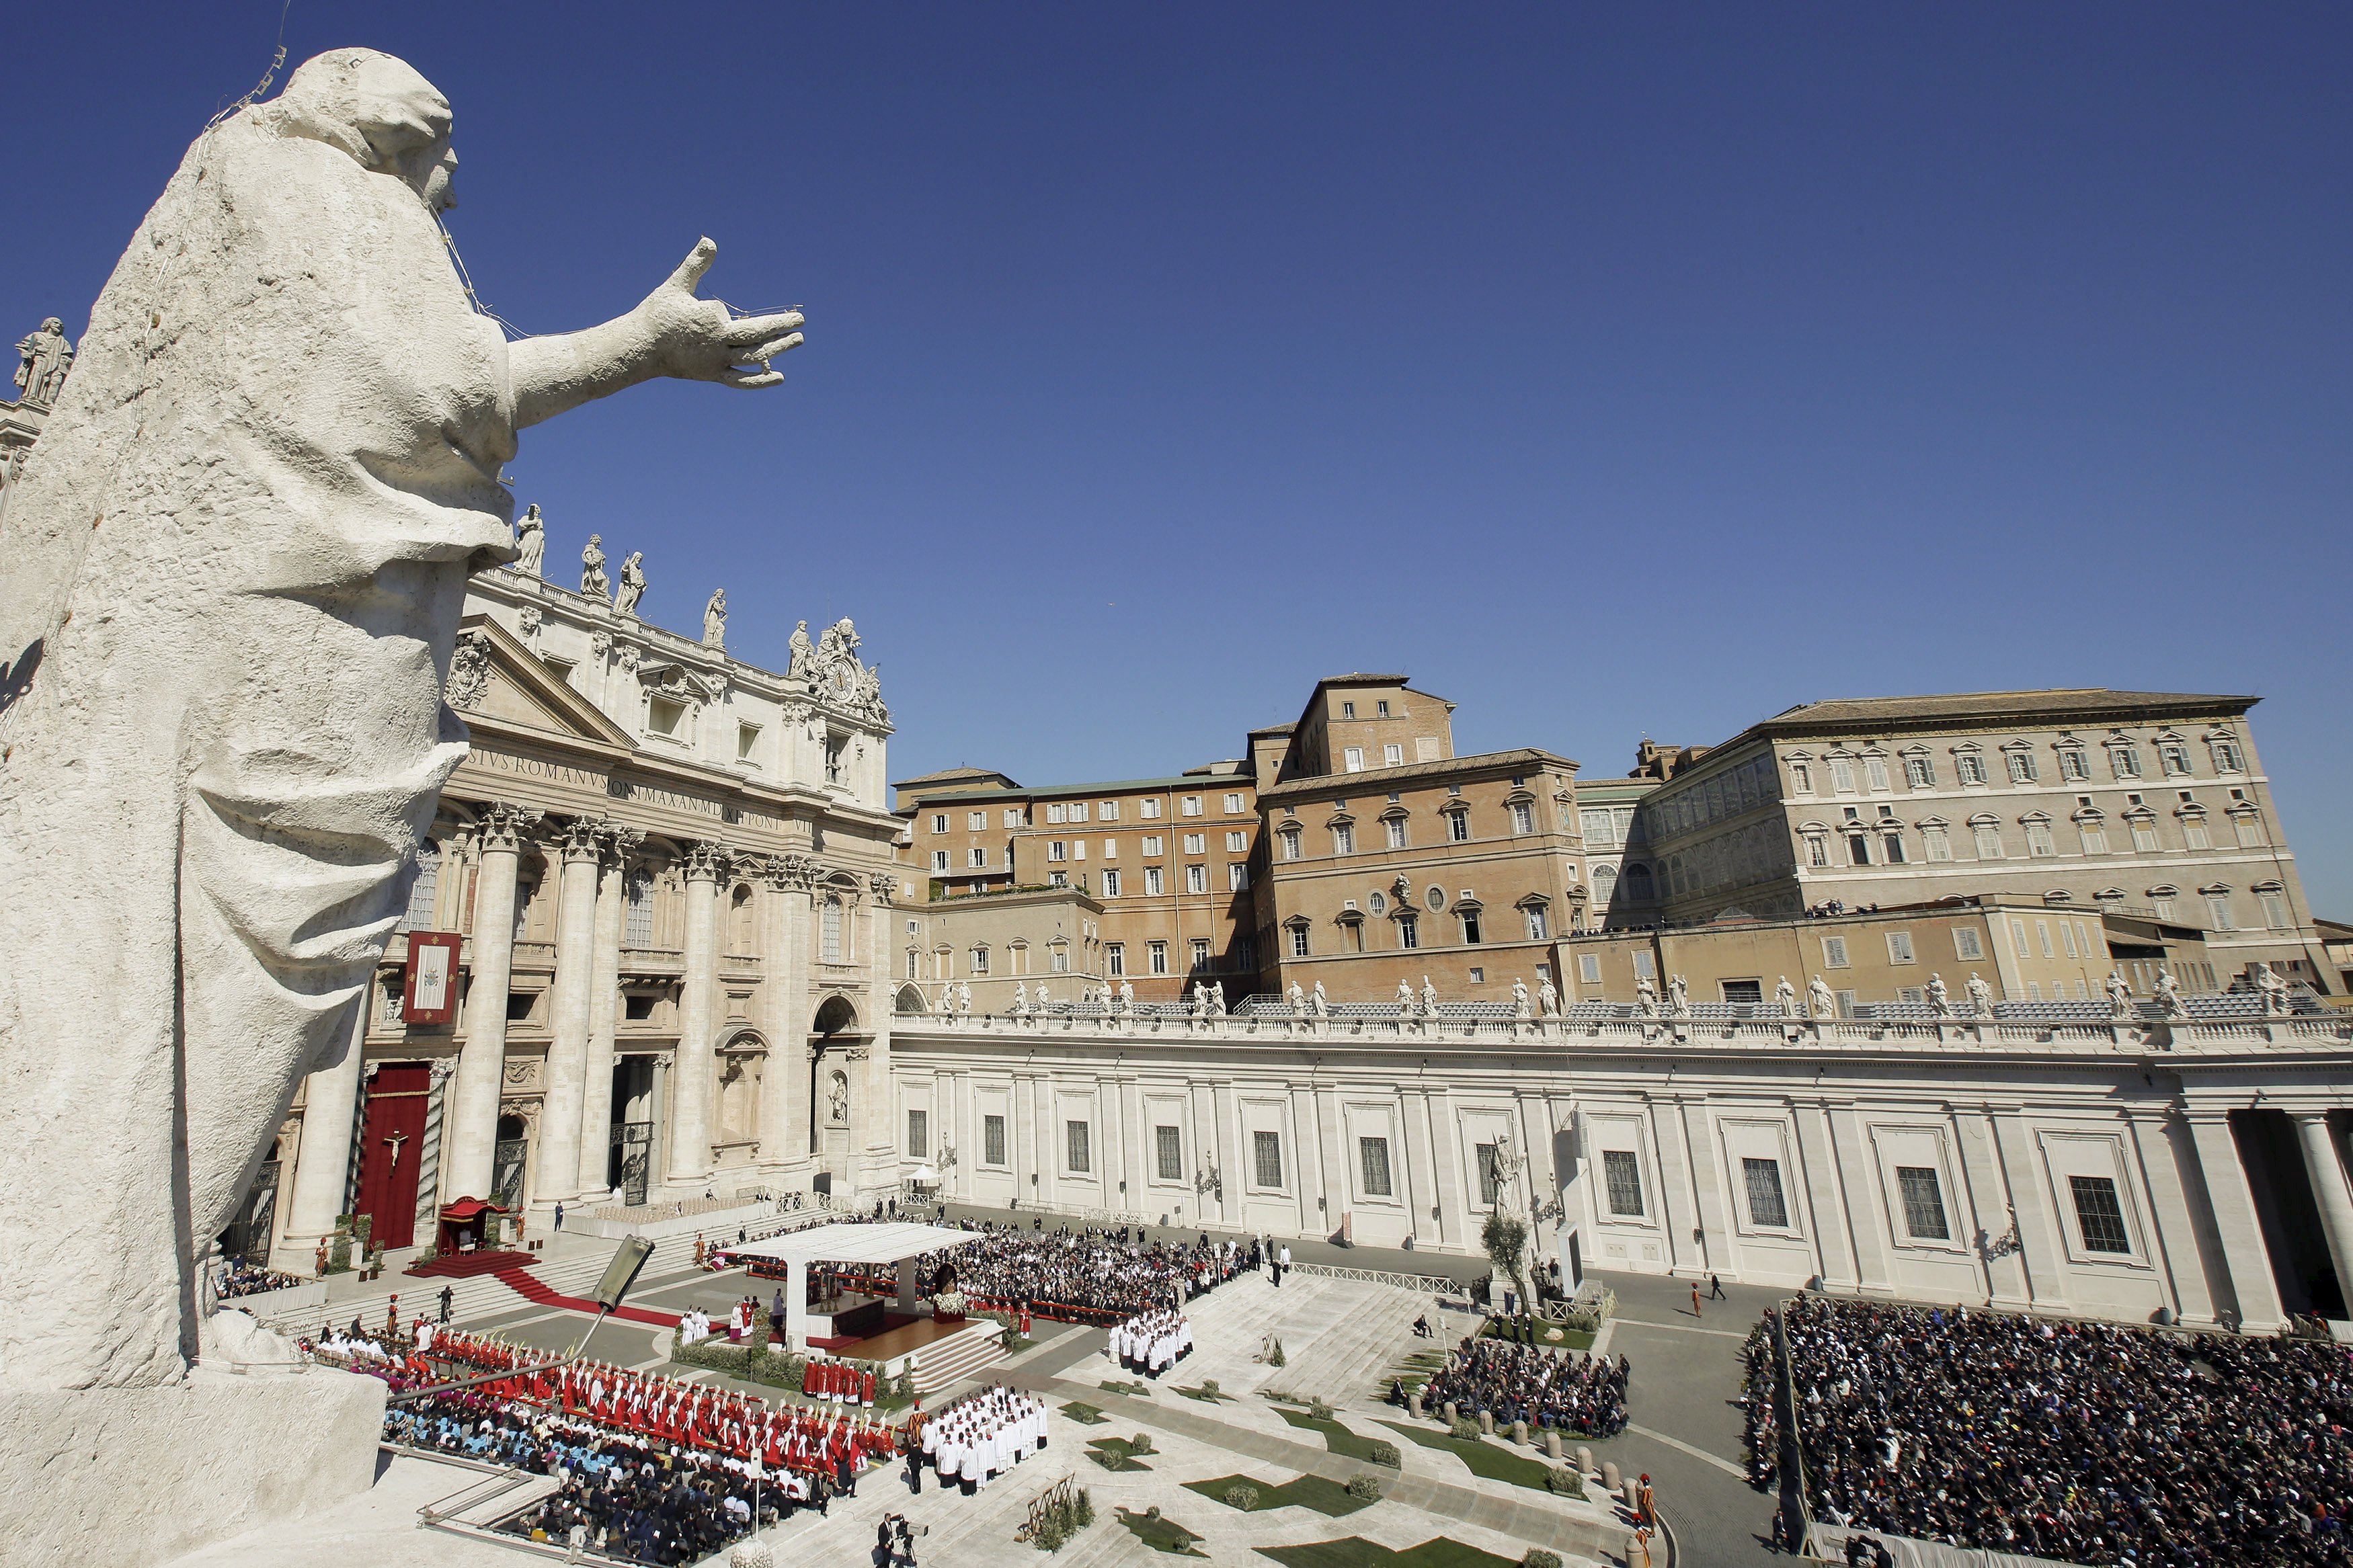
<point>1266,1157</point>
<point>979,960</point>
<point>919,1133</point>
<point>2124,762</point>
<point>1078,810</point>
<point>1057,812</point>
<point>1393,755</point>
<point>1298,941</point>
<point>1874,773</point>
<point>939,821</point>
<point>1169,1145</point>
<point>1938,842</point>
<point>1891,848</point>
<point>1818,849</point>
<point>1622,1172</point>
<point>2144,832</point>
<point>1408,931</point>
<point>1288,838</point>
<point>1149,810</point>
<point>1858,849</point>
<point>1196,843</point>
<point>1841,775</point>
<point>1200,953</point>
<point>2218,911</point>
<point>1246,954</point>
<point>1967,944</point>
<point>1155,883</point>
<point>1457,827</point>
<point>2022,767</point>
<point>1971,766</point>
<point>1060,961</point>
<point>1924,1204</point>
<point>2095,837</point>
<point>1802,779</point>
<point>1233,803</point>
<point>1920,773</point>
<point>1524,817</point>
<point>1236,876</point>
<point>1109,812</point>
<point>747,737</point>
<point>1111,884</point>
<point>2249,829</point>
<point>1596,826</point>
<point>1490,1175</point>
<point>2067,940</point>
<point>1766,1207</point>
<point>1539,923</point>
<point>1154,844</point>
<point>2227,757</point>
<point>1197,878</point>
<point>1237,843</point>
<point>1157,955</point>
<point>2100,1215</point>
<point>1115,958</point>
<point>2193,834</point>
<point>1471,927</point>
<point>1373,1159</point>
<point>2174,757</point>
<point>2074,764</point>
<point>992,1140</point>
<point>1834,952</point>
<point>1347,709</point>
<point>2038,842</point>
<point>2274,902</point>
<point>1190,805</point>
<point>1395,826</point>
<point>1739,991</point>
<point>2043,930</point>
<point>1074,1138</point>
<point>1057,849</point>
<point>939,859</point>
<point>1344,839</point>
<point>1899,947</point>
<point>1381,708</point>
<point>1645,966</point>
<point>1989,841</point>
<point>1352,760</point>
<point>830,934</point>
<point>1588,968</point>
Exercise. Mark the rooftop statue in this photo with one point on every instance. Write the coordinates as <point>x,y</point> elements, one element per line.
<point>225,743</point>
<point>45,357</point>
<point>531,542</point>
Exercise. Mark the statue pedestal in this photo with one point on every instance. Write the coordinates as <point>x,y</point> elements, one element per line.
<point>141,1476</point>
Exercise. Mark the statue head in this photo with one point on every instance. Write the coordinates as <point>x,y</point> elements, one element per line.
<point>531,512</point>
<point>596,539</point>
<point>378,109</point>
<point>53,326</point>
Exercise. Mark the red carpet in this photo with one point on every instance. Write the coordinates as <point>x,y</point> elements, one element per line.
<point>526,1284</point>
<point>465,1264</point>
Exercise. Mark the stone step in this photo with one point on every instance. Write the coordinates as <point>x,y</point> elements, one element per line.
<point>951,1361</point>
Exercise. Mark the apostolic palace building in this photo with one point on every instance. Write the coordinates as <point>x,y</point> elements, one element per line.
<point>2007,997</point>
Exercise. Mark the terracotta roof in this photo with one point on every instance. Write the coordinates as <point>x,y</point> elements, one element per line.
<point>1370,779</point>
<point>951,775</point>
<point>2087,702</point>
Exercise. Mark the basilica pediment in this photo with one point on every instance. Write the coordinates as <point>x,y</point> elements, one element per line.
<point>494,676</point>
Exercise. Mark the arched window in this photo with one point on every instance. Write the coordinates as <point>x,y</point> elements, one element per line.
<point>641,922</point>
<point>1605,882</point>
<point>425,889</point>
<point>830,928</point>
<point>743,928</point>
<point>1639,885</point>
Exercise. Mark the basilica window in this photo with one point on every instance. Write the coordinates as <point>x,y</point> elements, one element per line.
<point>1298,929</point>
<point>1156,957</point>
<point>424,888</point>
<point>1766,1208</point>
<point>1266,1159</point>
<point>992,1140</point>
<point>1408,931</point>
<point>1372,1165</point>
<point>1168,1146</point>
<point>1200,953</point>
<point>830,929</point>
<point>919,1133</point>
<point>1622,1172</point>
<point>1075,1137</point>
<point>1924,1204</point>
<point>2098,1216</point>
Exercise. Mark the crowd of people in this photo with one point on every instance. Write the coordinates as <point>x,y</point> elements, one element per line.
<point>1570,1390</point>
<point>979,1437</point>
<point>2081,1442</point>
<point>234,1277</point>
<point>1152,1343</point>
<point>1096,1276</point>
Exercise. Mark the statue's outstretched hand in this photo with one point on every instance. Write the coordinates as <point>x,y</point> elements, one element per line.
<point>701,340</point>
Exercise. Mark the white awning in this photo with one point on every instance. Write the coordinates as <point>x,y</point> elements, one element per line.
<point>858,1243</point>
<point>925,1176</point>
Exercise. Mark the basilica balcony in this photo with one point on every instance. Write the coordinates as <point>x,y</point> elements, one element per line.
<point>661,961</point>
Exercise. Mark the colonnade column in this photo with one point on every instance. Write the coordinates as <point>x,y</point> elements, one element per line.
<point>875,1103</point>
<point>560,1134</point>
<point>474,1093</point>
<point>603,1008</point>
<point>2236,1225</point>
<point>785,1084</point>
<point>2326,1169</point>
<point>323,1164</point>
<point>690,1139</point>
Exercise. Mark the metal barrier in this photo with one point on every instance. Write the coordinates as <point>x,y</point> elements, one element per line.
<point>1435,1283</point>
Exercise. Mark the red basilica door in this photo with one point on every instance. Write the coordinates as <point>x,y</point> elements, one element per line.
<point>391,1138</point>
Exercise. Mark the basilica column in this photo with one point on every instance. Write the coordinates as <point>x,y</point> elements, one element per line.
<point>2326,1171</point>
<point>474,1093</point>
<point>323,1165</point>
<point>784,1007</point>
<point>603,1008</point>
<point>690,1141</point>
<point>560,1136</point>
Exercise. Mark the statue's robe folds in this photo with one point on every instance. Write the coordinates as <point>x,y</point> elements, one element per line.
<point>235,571</point>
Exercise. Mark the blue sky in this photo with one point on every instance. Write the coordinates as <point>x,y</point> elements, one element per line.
<point>1613,371</point>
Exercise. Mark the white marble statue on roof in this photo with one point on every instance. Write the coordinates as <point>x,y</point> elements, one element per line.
<point>531,542</point>
<point>225,742</point>
<point>44,358</point>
